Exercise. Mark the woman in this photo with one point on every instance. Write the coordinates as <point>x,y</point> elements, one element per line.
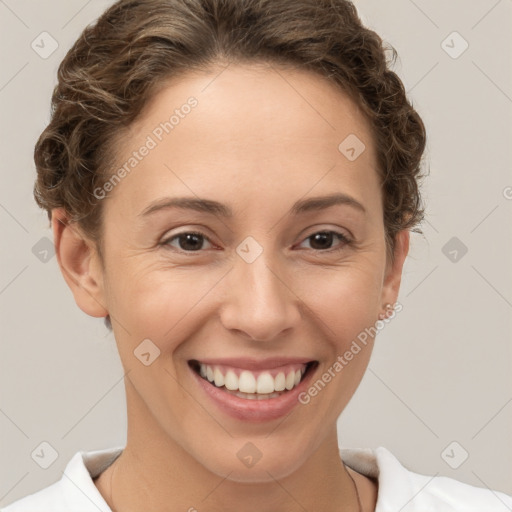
<point>231,184</point>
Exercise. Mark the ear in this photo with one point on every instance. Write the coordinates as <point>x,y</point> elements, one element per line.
<point>393,275</point>
<point>80,265</point>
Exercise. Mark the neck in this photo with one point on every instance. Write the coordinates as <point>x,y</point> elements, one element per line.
<point>155,473</point>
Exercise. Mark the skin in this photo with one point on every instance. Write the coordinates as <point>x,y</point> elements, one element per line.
<point>259,139</point>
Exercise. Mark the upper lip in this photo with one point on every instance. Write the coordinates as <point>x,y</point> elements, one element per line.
<point>247,363</point>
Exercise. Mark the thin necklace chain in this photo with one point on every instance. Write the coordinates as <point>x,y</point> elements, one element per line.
<point>110,490</point>
<point>357,492</point>
<point>348,473</point>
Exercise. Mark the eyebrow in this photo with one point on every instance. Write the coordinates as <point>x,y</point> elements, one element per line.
<point>222,210</point>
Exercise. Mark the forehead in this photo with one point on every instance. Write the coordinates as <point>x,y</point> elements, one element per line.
<point>246,128</point>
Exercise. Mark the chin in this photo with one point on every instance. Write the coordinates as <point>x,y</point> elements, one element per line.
<point>255,461</point>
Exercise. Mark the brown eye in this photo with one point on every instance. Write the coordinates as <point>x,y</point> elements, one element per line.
<point>187,241</point>
<point>323,240</point>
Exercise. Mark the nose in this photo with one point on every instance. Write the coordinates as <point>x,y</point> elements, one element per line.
<point>259,302</point>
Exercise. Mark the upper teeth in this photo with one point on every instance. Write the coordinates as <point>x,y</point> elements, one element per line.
<point>248,382</point>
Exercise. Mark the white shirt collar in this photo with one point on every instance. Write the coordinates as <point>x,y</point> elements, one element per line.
<point>399,489</point>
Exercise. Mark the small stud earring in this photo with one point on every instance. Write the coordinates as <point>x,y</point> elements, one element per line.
<point>388,308</point>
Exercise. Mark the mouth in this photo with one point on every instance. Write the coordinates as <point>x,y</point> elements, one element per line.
<point>254,384</point>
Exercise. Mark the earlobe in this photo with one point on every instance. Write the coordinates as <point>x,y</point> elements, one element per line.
<point>80,266</point>
<point>394,268</point>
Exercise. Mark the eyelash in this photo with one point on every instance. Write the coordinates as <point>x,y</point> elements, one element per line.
<point>342,237</point>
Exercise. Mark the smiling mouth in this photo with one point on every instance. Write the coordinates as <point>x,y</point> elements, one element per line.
<point>253,385</point>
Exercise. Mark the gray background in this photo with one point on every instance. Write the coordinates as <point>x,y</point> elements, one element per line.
<point>440,372</point>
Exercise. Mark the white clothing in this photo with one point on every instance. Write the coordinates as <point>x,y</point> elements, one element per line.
<point>400,490</point>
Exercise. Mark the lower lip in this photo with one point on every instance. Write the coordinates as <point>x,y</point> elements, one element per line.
<point>254,410</point>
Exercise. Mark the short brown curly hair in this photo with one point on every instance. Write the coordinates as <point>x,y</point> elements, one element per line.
<point>118,63</point>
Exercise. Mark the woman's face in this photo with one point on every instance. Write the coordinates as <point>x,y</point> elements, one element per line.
<point>253,296</point>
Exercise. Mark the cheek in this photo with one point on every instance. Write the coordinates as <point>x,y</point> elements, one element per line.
<point>346,299</point>
<point>346,302</point>
<point>160,303</point>
<point>345,306</point>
